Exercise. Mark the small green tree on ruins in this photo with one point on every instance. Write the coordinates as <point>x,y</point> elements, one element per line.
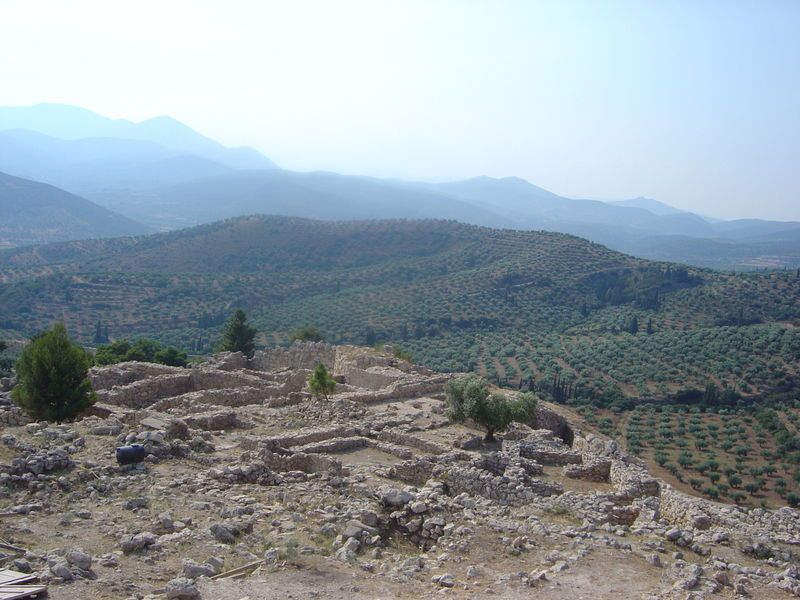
<point>52,377</point>
<point>468,397</point>
<point>320,382</point>
<point>238,336</point>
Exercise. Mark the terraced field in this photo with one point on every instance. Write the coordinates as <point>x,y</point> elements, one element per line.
<point>747,455</point>
<point>543,307</point>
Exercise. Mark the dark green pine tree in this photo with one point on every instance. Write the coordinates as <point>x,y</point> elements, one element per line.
<point>650,326</point>
<point>238,336</point>
<point>52,372</point>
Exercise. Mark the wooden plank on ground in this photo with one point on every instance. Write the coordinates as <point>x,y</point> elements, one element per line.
<point>16,592</point>
<point>238,571</point>
<point>9,577</point>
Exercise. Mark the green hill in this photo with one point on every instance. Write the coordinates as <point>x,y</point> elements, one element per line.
<point>35,213</point>
<point>511,304</point>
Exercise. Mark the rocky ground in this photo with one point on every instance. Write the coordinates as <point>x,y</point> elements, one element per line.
<point>252,489</point>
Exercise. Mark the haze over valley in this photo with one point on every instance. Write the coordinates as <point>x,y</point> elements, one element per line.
<point>164,176</point>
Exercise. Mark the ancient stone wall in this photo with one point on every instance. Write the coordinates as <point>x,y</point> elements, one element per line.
<point>308,463</point>
<point>513,488</point>
<point>546,418</point>
<point>297,356</point>
<point>403,438</point>
<point>302,438</point>
<point>125,373</point>
<point>11,416</point>
<point>373,378</point>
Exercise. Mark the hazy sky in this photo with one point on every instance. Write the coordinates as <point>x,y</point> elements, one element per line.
<point>695,103</point>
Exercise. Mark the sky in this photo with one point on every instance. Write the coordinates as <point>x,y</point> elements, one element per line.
<point>692,102</point>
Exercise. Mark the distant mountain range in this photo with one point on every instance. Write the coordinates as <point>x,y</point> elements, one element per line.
<point>165,175</point>
<point>82,151</point>
<point>34,213</point>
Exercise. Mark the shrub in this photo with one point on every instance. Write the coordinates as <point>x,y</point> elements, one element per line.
<point>469,398</point>
<point>308,333</point>
<point>142,350</point>
<point>320,382</point>
<point>52,373</point>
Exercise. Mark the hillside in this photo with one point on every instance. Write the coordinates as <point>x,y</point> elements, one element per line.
<point>511,304</point>
<point>317,195</point>
<point>643,228</point>
<point>33,213</point>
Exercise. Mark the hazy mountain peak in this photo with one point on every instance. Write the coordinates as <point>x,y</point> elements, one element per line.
<point>654,206</point>
<point>68,122</point>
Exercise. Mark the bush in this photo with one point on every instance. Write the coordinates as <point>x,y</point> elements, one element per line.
<point>238,336</point>
<point>309,333</point>
<point>52,377</point>
<point>320,382</point>
<point>142,350</point>
<point>469,398</point>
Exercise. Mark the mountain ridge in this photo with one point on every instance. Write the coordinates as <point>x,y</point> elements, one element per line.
<point>33,212</point>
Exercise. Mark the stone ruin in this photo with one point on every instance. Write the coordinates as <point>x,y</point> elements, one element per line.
<point>383,446</point>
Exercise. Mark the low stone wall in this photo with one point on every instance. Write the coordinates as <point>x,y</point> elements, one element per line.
<point>547,418</point>
<point>213,421</point>
<point>234,397</point>
<point>419,469</point>
<point>12,415</point>
<point>591,470</point>
<point>209,386</point>
<point>598,508</point>
<point>545,448</point>
<point>309,436</point>
<point>143,393</point>
<point>403,438</point>
<point>513,488</point>
<point>297,356</point>
<point>125,373</point>
<point>632,480</point>
<point>335,445</point>
<point>373,378</point>
<point>411,388</point>
<point>689,512</point>
<point>415,471</point>
<point>299,461</point>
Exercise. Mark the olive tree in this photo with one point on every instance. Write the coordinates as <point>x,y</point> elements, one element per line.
<point>468,397</point>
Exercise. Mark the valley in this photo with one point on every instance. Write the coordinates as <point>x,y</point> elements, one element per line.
<point>513,305</point>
